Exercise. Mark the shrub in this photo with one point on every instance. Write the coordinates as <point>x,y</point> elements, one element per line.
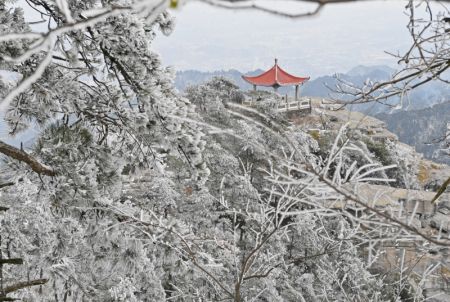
<point>380,151</point>
<point>423,175</point>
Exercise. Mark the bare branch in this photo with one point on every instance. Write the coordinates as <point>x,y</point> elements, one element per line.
<point>256,6</point>
<point>426,60</point>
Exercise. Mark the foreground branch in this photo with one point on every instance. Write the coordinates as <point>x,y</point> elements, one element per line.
<point>25,284</point>
<point>6,184</point>
<point>23,156</point>
<point>441,190</point>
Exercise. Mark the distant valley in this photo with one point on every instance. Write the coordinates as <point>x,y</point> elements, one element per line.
<point>423,129</point>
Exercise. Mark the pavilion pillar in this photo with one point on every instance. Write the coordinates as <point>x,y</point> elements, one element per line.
<point>254,87</point>
<point>296,93</point>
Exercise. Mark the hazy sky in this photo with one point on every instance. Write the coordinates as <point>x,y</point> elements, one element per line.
<point>339,38</point>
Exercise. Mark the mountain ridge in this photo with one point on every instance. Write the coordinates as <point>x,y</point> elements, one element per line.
<point>422,97</point>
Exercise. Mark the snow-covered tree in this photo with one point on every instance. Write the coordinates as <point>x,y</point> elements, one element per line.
<point>106,111</point>
<point>132,192</point>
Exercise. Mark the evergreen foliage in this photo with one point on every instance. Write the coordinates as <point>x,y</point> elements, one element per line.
<point>157,196</point>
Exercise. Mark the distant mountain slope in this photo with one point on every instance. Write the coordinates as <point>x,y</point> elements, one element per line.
<point>194,77</point>
<point>420,127</point>
<point>422,97</point>
<point>376,71</point>
<point>357,75</point>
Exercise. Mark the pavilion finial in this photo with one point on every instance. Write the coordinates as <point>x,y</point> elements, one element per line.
<point>276,61</point>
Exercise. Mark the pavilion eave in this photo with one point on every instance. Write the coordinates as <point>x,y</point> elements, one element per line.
<point>276,84</point>
<point>275,77</point>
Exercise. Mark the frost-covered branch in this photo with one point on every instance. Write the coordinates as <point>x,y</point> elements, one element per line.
<point>427,59</point>
<point>21,285</point>
<point>26,158</point>
<point>46,41</point>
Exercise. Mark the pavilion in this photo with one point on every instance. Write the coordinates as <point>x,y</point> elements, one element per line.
<point>276,77</point>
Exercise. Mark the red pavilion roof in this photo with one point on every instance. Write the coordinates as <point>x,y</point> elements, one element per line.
<point>275,76</point>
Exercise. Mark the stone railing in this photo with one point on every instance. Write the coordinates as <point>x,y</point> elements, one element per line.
<point>301,104</point>
<point>285,105</point>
